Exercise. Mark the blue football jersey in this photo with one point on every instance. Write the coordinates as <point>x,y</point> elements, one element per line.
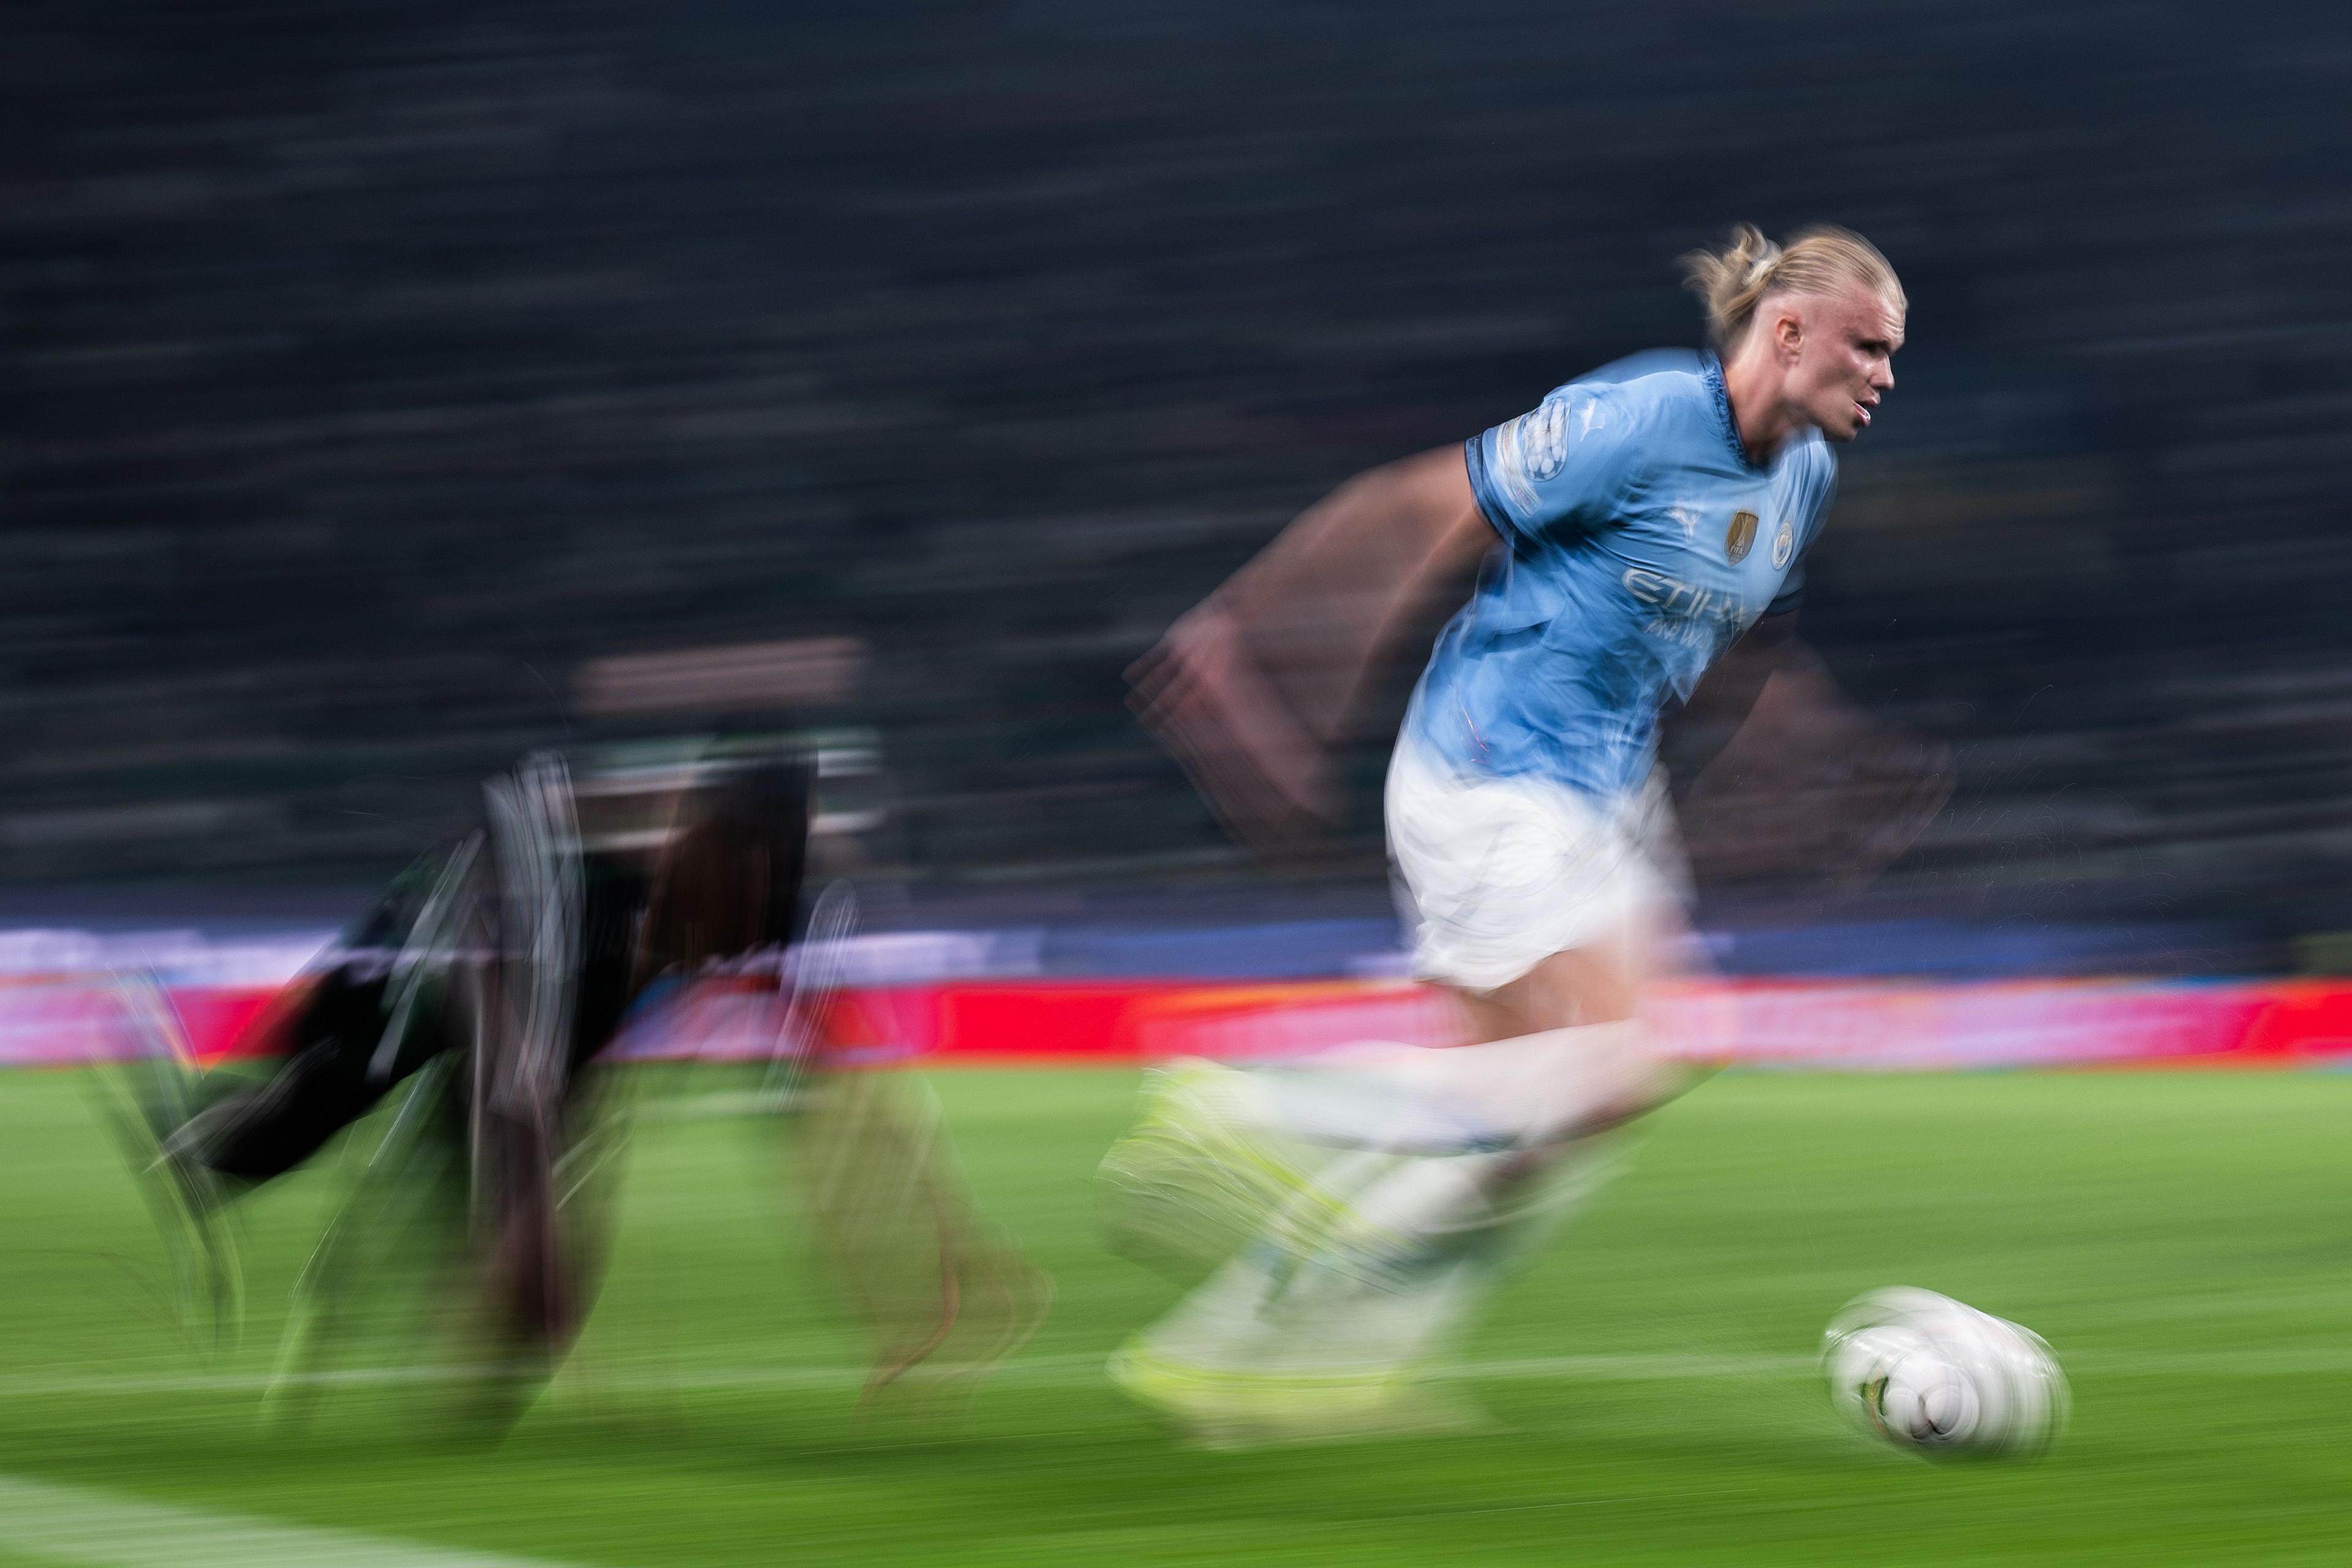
<point>1639,543</point>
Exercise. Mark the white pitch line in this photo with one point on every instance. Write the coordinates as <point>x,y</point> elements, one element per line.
<point>1080,1371</point>
<point>111,1530</point>
<point>1071,1371</point>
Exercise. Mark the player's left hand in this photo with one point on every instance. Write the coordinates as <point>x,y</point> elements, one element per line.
<point>1201,692</point>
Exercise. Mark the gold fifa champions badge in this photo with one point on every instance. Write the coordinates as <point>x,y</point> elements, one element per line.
<point>1740,536</point>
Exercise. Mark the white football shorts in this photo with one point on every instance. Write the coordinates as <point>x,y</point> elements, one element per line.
<point>1495,875</point>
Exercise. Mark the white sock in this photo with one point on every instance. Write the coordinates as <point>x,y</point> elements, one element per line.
<point>1371,1272</point>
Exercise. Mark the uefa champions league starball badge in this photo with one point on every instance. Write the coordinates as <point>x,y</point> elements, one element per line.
<point>1740,537</point>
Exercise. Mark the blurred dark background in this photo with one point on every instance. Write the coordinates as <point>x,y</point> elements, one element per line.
<point>364,368</point>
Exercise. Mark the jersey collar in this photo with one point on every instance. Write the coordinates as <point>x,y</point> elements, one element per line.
<point>1710,371</point>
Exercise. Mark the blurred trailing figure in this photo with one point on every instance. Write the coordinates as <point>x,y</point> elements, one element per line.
<point>1643,525</point>
<point>489,980</point>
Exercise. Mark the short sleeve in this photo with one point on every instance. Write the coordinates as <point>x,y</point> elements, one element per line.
<point>1561,469</point>
<point>1792,595</point>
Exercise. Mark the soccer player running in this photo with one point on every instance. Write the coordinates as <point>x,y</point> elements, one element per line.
<point>1637,526</point>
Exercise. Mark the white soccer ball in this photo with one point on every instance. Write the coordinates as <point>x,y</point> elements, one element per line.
<point>1941,1379</point>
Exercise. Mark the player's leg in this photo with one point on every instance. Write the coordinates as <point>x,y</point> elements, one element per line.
<point>143,1101</point>
<point>1560,1050</point>
<point>583,931</point>
<point>337,1061</point>
<point>1545,920</point>
<point>1453,1166</point>
<point>333,1044</point>
<point>309,1066</point>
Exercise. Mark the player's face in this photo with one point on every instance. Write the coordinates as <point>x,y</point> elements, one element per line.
<point>1844,360</point>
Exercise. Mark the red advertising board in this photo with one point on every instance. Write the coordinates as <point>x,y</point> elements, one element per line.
<point>1861,1026</point>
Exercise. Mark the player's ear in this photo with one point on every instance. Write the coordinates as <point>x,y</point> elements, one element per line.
<point>1788,325</point>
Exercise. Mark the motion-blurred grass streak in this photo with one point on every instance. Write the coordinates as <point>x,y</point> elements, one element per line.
<point>2178,1237</point>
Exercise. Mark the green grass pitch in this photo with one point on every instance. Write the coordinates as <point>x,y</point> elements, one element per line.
<point>2183,1239</point>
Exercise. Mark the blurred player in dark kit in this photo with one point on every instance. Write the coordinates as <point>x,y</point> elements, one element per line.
<point>490,979</point>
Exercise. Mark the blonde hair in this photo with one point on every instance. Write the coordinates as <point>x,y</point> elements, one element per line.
<point>1735,279</point>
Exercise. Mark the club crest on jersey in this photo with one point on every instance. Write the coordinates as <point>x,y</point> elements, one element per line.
<point>1740,537</point>
<point>1784,544</point>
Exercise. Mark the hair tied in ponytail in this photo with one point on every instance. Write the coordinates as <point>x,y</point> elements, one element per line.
<point>1735,278</point>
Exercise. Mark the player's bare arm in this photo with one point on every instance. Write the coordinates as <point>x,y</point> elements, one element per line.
<point>1252,687</point>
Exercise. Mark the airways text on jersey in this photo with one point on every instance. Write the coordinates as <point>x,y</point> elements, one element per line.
<point>1688,613</point>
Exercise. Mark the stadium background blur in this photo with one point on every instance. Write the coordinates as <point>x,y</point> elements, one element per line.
<point>365,368</point>
<point>368,370</point>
